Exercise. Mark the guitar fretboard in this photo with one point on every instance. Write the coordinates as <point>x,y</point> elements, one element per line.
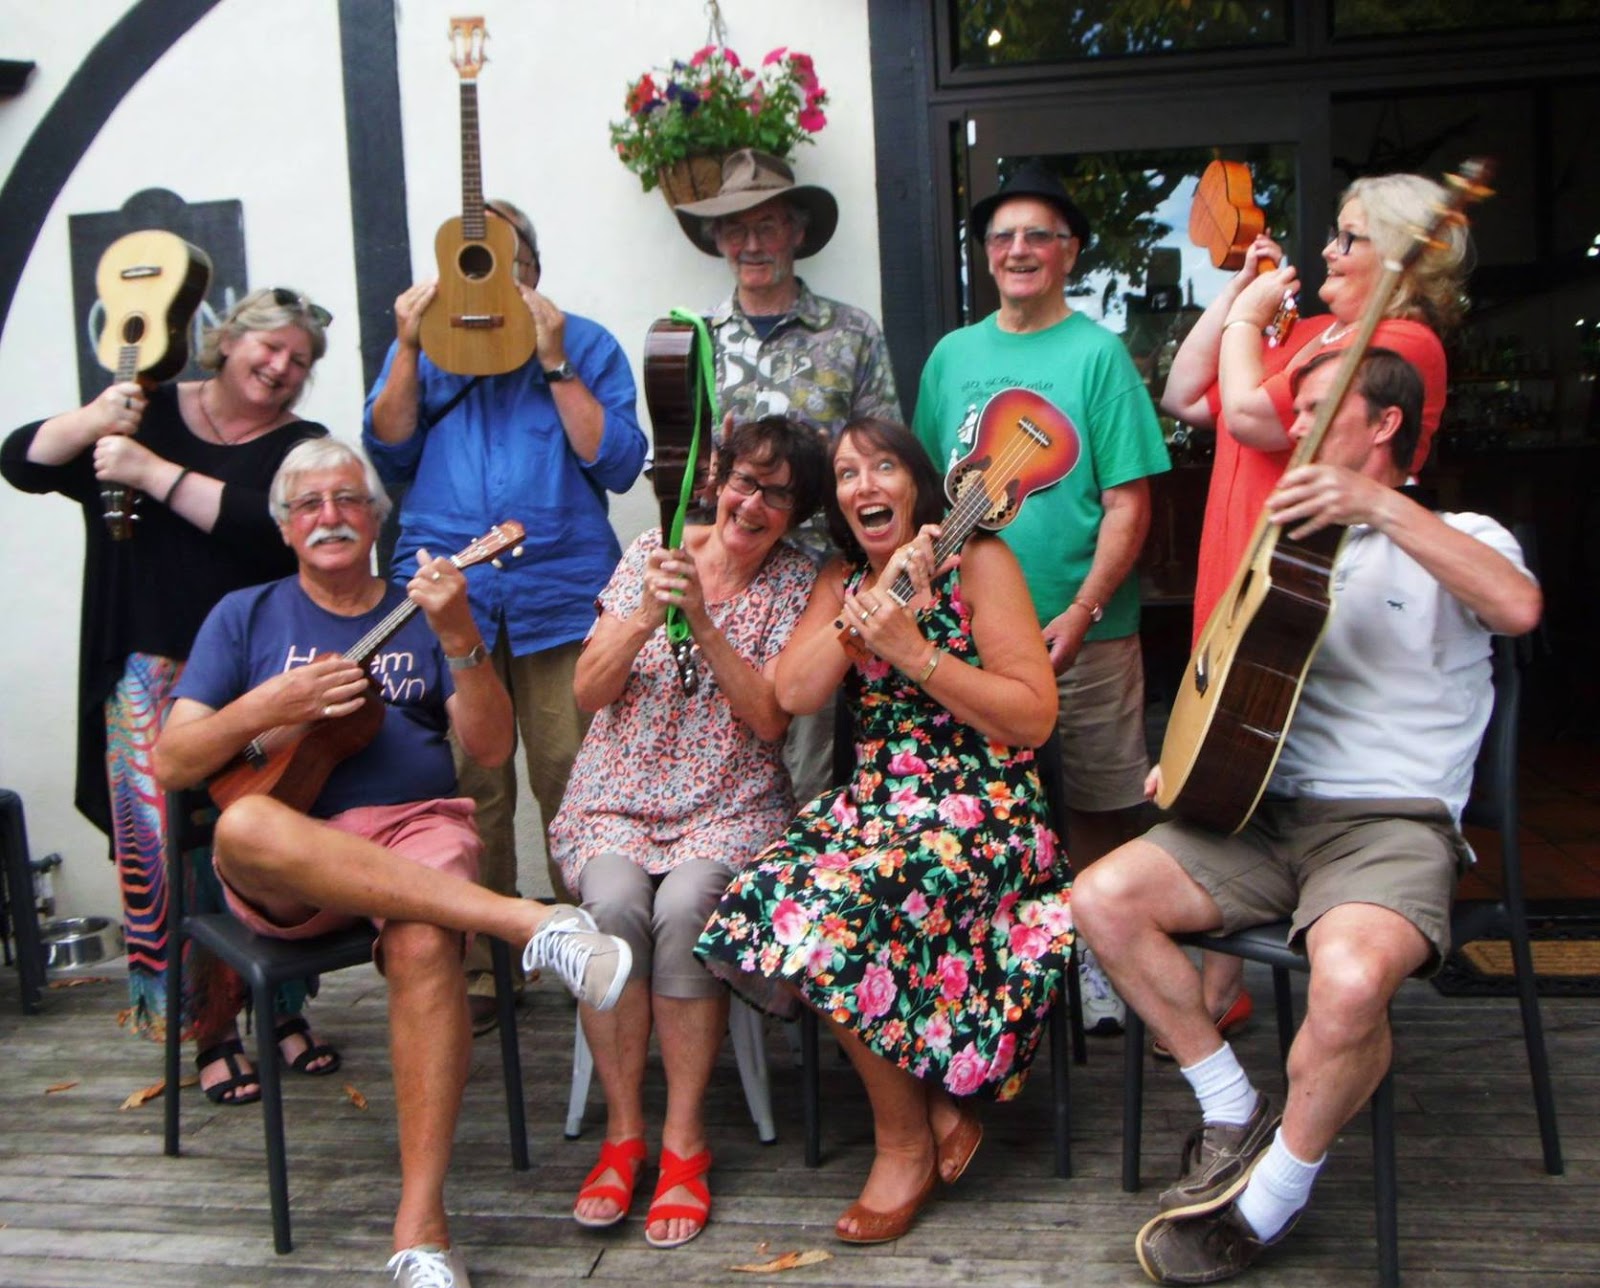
<point>472,213</point>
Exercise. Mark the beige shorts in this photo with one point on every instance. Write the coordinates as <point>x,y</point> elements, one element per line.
<point>1301,858</point>
<point>1103,755</point>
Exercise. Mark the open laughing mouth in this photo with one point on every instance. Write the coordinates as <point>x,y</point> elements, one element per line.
<point>874,518</point>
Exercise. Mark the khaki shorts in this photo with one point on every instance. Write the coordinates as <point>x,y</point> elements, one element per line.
<point>1103,756</point>
<point>1300,858</point>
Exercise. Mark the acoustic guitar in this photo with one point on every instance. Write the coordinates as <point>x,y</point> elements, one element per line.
<point>292,762</point>
<point>1243,682</point>
<point>1223,220</point>
<point>682,407</point>
<point>150,283</point>
<point>477,324</point>
<point>1024,444</point>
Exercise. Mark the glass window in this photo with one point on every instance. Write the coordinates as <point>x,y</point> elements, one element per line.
<point>1011,33</point>
<point>1396,17</point>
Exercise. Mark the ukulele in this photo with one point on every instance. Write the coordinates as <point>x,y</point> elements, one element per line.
<point>1024,444</point>
<point>1224,219</point>
<point>292,762</point>
<point>1243,682</point>
<point>477,324</point>
<point>681,398</point>
<point>150,283</point>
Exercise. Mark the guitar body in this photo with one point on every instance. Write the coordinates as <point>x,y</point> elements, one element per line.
<point>299,758</point>
<point>1224,217</point>
<point>1238,695</point>
<point>478,324</point>
<point>1024,443</point>
<point>671,369</point>
<point>150,284</point>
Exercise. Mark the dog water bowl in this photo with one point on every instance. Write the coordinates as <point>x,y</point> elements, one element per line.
<point>80,941</point>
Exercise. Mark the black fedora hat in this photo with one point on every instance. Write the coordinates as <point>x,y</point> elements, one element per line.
<point>1031,180</point>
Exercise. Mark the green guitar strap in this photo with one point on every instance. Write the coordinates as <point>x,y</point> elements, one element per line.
<point>705,399</point>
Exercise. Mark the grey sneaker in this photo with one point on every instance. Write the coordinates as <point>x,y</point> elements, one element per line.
<point>1201,1249</point>
<point>429,1266</point>
<point>1217,1159</point>
<point>594,966</point>
<point>1104,1013</point>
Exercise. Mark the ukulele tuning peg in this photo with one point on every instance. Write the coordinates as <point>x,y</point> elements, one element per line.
<point>516,552</point>
<point>498,564</point>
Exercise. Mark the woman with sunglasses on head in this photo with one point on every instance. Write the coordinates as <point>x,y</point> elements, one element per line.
<point>672,792</point>
<point>1226,377</point>
<point>199,456</point>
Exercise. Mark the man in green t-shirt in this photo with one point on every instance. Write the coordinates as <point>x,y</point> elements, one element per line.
<point>1078,541</point>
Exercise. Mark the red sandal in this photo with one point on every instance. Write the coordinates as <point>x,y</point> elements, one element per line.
<point>625,1158</point>
<point>686,1172</point>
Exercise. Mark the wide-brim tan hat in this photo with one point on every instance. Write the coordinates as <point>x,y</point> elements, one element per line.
<point>750,179</point>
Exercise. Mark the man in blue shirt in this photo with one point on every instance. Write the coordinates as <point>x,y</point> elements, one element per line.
<point>543,445</point>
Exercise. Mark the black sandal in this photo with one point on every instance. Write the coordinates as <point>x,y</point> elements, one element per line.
<point>230,1052</point>
<point>296,1026</point>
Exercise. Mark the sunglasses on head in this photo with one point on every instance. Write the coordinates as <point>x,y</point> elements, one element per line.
<point>285,298</point>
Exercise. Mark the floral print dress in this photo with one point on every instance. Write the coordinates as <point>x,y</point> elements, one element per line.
<point>925,904</point>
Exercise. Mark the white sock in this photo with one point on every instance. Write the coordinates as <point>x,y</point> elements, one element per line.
<point>1279,1187</point>
<point>1223,1088</point>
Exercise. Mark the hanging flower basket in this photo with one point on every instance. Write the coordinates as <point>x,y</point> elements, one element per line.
<point>691,179</point>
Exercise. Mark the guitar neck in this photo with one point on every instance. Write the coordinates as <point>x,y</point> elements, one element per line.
<point>472,211</point>
<point>954,529</point>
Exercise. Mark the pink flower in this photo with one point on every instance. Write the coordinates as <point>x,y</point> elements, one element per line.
<point>952,973</point>
<point>961,811</point>
<point>789,922</point>
<point>700,55</point>
<point>915,906</point>
<point>966,1071</point>
<point>1004,1054</point>
<point>1029,942</point>
<point>843,811</point>
<point>776,56</point>
<point>876,992</point>
<point>1002,914</point>
<point>936,1032</point>
<point>906,763</point>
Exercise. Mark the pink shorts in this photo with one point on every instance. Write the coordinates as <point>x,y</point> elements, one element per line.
<point>437,834</point>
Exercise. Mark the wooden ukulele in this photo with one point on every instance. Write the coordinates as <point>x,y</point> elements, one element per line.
<point>292,762</point>
<point>682,414</point>
<point>1224,219</point>
<point>477,324</point>
<point>150,283</point>
<point>1024,444</point>
<point>1238,695</point>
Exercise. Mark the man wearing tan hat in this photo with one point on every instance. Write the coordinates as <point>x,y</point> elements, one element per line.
<point>783,350</point>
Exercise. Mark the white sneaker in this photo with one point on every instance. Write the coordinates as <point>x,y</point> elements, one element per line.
<point>1104,1013</point>
<point>429,1266</point>
<point>594,966</point>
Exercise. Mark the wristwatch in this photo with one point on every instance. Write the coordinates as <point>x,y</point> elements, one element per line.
<point>1093,609</point>
<point>566,371</point>
<point>477,657</point>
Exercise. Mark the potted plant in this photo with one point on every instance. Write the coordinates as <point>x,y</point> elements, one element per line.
<point>683,119</point>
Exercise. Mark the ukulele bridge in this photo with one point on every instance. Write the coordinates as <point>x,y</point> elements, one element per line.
<point>478,321</point>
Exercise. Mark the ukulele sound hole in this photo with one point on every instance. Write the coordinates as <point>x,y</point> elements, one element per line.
<point>132,329</point>
<point>476,262</point>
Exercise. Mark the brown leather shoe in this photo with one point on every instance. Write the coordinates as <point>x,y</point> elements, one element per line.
<point>485,1012</point>
<point>885,1227</point>
<point>1201,1249</point>
<point>1217,1159</point>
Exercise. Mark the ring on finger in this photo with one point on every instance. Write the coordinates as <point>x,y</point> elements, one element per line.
<point>434,574</point>
<point>327,710</point>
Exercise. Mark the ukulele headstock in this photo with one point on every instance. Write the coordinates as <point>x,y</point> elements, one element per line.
<point>506,535</point>
<point>467,37</point>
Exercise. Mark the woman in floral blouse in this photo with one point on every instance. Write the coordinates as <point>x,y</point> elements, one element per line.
<point>672,792</point>
<point>921,908</point>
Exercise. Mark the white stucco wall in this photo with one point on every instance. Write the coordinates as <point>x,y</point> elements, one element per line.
<point>248,105</point>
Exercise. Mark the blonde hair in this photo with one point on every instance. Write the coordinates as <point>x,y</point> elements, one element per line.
<point>265,310</point>
<point>1398,207</point>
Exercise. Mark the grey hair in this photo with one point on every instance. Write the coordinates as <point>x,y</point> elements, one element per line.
<point>1398,207</point>
<point>260,311</point>
<point>315,455</point>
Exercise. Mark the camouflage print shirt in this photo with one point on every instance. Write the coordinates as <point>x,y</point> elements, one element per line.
<point>824,362</point>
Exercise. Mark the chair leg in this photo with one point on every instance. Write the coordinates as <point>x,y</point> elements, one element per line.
<point>1283,1003</point>
<point>582,1073</point>
<point>262,991</point>
<point>1060,1090</point>
<point>510,1053</point>
<point>810,1086</point>
<point>749,1038</point>
<point>1385,1187</point>
<point>1132,1100</point>
<point>174,1039</point>
<point>1544,1100</point>
<point>1080,1046</point>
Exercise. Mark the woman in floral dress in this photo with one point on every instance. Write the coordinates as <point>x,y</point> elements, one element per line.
<point>922,908</point>
<point>672,792</point>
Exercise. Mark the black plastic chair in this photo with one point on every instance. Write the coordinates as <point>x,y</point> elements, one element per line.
<point>264,963</point>
<point>1066,1023</point>
<point>22,921</point>
<point>1494,805</point>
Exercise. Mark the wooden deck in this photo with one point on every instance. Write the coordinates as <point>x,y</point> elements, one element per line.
<point>87,1198</point>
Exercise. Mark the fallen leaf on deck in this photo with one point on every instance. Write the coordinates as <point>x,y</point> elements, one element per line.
<point>80,981</point>
<point>60,1086</point>
<point>355,1097</point>
<point>193,1080</point>
<point>143,1095</point>
<point>788,1261</point>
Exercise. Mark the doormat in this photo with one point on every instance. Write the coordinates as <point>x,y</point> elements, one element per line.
<point>1566,962</point>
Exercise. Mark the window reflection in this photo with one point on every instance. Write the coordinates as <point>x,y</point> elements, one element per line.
<point>1009,33</point>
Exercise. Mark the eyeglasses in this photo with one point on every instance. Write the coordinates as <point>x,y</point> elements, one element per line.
<point>767,231</point>
<point>287,299</point>
<point>774,494</point>
<point>310,503</point>
<point>1344,239</point>
<point>1032,238</point>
